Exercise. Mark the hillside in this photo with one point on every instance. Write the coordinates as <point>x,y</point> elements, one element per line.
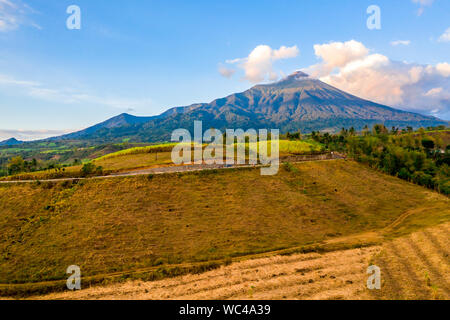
<point>10,142</point>
<point>296,102</point>
<point>338,275</point>
<point>151,223</point>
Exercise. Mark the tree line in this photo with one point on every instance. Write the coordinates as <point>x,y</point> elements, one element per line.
<point>417,156</point>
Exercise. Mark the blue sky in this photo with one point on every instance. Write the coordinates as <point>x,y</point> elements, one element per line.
<point>143,57</point>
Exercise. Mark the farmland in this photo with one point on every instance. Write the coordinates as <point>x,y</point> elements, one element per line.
<point>335,275</point>
<point>151,227</point>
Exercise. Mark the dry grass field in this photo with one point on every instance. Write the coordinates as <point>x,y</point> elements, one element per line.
<point>151,227</point>
<point>412,267</point>
<point>134,161</point>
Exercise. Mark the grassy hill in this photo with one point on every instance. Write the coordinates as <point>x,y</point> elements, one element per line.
<point>129,224</point>
<point>151,156</point>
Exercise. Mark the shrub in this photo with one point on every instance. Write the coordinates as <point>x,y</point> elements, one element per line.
<point>289,167</point>
<point>88,168</point>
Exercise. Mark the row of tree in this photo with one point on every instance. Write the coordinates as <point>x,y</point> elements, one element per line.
<point>418,156</point>
<point>18,165</point>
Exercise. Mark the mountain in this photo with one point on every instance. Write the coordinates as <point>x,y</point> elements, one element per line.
<point>296,102</point>
<point>10,142</point>
<point>120,121</point>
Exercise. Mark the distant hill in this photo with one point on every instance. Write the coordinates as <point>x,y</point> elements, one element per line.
<point>10,142</point>
<point>120,121</point>
<point>296,102</point>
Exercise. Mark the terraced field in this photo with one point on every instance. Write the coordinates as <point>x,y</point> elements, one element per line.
<point>412,267</point>
<point>417,266</point>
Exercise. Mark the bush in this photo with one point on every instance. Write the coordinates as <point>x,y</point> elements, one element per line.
<point>90,168</point>
<point>404,174</point>
<point>289,167</point>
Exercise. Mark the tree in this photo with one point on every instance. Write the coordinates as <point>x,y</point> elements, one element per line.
<point>16,165</point>
<point>366,130</point>
<point>352,131</point>
<point>379,129</point>
<point>428,144</point>
<point>88,168</point>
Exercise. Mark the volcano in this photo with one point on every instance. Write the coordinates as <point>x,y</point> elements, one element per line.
<point>297,102</point>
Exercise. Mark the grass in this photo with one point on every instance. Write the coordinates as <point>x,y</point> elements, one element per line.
<point>134,161</point>
<point>413,267</point>
<point>151,156</point>
<point>125,224</point>
<point>166,147</point>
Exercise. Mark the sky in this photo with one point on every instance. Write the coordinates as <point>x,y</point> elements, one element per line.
<point>143,57</point>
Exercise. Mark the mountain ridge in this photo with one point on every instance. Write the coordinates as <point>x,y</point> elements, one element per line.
<point>297,102</point>
<point>10,142</point>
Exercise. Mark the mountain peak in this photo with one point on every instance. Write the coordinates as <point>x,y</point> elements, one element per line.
<point>298,75</point>
<point>294,80</point>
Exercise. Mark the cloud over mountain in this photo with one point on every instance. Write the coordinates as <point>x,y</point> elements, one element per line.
<point>27,135</point>
<point>258,66</point>
<point>351,67</point>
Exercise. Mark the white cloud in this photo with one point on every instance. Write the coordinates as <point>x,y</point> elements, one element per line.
<point>423,4</point>
<point>335,55</point>
<point>400,42</point>
<point>434,91</point>
<point>445,37</point>
<point>29,135</point>
<point>351,67</point>
<point>285,53</point>
<point>6,80</point>
<point>14,13</point>
<point>226,72</point>
<point>67,95</point>
<point>443,69</point>
<point>258,66</point>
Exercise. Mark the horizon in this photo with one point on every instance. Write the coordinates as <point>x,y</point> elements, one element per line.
<point>145,58</point>
<point>302,74</point>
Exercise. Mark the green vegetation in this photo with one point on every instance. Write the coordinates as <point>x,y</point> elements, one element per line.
<point>53,156</point>
<point>166,147</point>
<point>91,169</point>
<point>421,157</point>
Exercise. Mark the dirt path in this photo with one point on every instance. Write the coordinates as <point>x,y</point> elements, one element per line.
<point>184,168</point>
